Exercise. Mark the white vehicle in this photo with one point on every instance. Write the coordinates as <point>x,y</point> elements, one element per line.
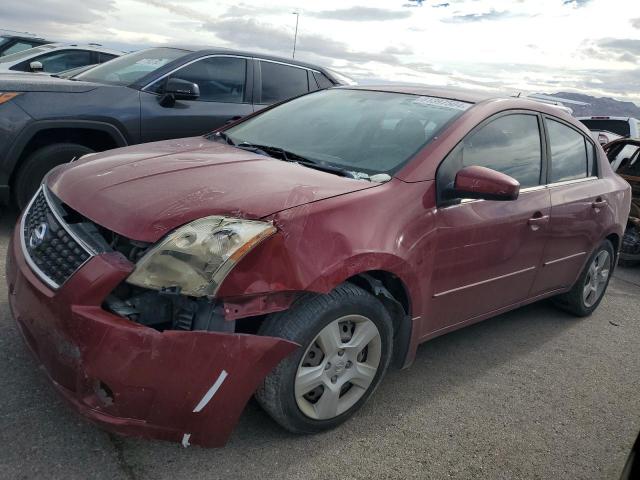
<point>623,126</point>
<point>56,57</point>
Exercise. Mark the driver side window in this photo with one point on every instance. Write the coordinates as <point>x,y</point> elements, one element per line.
<point>510,144</point>
<point>220,79</point>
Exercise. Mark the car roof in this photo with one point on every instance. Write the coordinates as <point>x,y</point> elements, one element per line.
<point>95,47</point>
<point>209,50</point>
<point>19,35</point>
<point>511,102</point>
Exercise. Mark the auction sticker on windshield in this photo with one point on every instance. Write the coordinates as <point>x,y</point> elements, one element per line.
<point>441,102</point>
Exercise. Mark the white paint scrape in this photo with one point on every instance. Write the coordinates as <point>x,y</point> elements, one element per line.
<point>211,392</point>
<point>185,440</point>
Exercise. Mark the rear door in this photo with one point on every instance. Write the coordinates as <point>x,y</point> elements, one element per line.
<point>579,206</point>
<point>488,252</point>
<point>225,84</point>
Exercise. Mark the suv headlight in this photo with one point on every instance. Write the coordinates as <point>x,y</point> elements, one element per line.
<point>198,256</point>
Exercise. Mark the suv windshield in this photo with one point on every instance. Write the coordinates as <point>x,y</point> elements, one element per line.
<point>132,67</point>
<point>366,131</point>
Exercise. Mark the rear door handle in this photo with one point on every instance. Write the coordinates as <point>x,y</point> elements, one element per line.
<point>538,220</point>
<point>599,203</point>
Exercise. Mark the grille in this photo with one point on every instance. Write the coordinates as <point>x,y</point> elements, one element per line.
<point>51,250</point>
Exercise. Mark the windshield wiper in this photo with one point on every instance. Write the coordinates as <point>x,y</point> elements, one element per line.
<point>288,156</point>
<point>222,136</point>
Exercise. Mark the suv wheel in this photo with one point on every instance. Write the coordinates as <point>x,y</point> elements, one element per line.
<point>585,296</point>
<point>346,338</point>
<point>38,164</point>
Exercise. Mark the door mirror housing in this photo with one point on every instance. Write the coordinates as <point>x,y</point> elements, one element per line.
<point>485,184</point>
<point>182,89</point>
<point>36,66</point>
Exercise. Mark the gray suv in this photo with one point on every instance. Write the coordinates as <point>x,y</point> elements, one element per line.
<point>153,94</point>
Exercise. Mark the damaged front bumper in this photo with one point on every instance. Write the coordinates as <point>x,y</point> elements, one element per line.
<point>182,386</point>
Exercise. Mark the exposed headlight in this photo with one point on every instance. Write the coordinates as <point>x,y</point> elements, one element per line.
<point>198,256</point>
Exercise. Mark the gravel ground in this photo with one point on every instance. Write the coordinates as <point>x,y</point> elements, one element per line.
<point>533,393</point>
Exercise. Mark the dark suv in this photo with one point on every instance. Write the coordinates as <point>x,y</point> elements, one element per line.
<point>153,94</point>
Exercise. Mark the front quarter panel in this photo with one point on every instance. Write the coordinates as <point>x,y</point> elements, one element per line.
<point>320,245</point>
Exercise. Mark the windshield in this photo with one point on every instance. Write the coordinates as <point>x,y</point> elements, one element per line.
<point>365,131</point>
<point>621,127</point>
<point>24,54</point>
<point>132,67</point>
<point>4,40</point>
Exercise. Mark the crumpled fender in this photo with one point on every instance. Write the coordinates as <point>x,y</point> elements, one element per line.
<point>182,386</point>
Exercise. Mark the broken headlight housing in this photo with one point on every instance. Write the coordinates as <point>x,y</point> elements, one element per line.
<point>195,258</point>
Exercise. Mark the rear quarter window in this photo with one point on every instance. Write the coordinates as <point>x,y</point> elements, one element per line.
<point>323,81</point>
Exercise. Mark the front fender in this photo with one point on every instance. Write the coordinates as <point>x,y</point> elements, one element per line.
<point>27,133</point>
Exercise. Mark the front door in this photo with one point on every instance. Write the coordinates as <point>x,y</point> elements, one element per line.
<point>488,252</point>
<point>225,95</point>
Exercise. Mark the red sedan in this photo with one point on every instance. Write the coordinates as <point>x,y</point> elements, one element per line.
<point>299,252</point>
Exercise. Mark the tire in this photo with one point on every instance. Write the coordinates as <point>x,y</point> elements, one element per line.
<point>38,164</point>
<point>339,312</point>
<point>574,300</point>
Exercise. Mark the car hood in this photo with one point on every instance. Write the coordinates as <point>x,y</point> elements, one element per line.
<point>39,82</point>
<point>143,192</point>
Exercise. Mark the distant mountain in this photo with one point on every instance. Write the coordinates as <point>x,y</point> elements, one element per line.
<point>599,106</point>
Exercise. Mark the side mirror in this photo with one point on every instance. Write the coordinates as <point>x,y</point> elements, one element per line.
<point>485,183</point>
<point>178,89</point>
<point>35,66</point>
<point>181,89</point>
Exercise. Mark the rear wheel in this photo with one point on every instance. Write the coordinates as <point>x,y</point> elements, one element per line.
<point>346,338</point>
<point>586,294</point>
<point>38,164</point>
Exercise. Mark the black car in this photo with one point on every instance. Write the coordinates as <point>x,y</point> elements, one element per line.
<point>154,94</point>
<point>14,42</point>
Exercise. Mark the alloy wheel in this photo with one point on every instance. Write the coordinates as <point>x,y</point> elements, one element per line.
<point>596,279</point>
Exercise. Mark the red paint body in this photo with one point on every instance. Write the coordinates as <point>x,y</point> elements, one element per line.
<point>458,264</point>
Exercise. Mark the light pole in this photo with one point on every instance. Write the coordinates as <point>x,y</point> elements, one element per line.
<point>295,35</point>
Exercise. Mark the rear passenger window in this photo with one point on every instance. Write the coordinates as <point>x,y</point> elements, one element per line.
<point>280,82</point>
<point>569,159</point>
<point>323,81</point>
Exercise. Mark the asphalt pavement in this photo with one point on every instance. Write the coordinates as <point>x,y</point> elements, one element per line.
<point>534,393</point>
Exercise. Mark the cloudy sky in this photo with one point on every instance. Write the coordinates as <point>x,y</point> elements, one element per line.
<point>590,46</point>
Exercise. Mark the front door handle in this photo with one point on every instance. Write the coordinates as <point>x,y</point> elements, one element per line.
<point>599,203</point>
<point>538,220</point>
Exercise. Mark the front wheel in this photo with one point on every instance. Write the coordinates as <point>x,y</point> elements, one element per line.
<point>586,294</point>
<point>346,338</point>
